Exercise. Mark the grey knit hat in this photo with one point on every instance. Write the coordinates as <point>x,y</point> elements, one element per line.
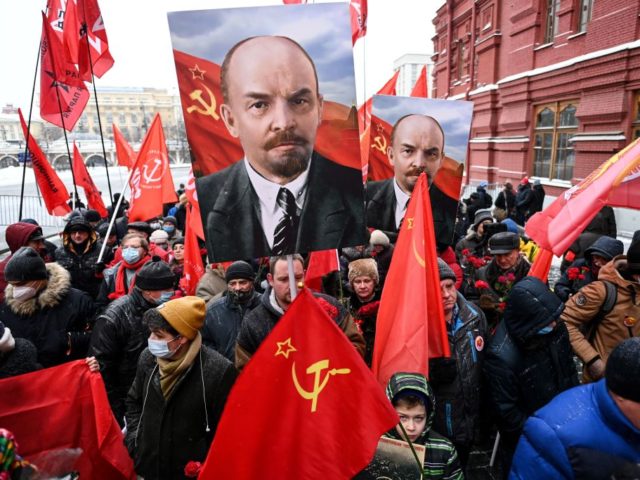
<point>623,370</point>
<point>445,271</point>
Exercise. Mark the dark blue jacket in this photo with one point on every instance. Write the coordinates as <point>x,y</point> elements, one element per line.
<point>581,434</point>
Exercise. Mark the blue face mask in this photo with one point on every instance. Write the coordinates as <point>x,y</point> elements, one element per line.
<point>130,255</point>
<point>168,228</point>
<point>164,297</point>
<point>545,330</point>
<point>160,348</point>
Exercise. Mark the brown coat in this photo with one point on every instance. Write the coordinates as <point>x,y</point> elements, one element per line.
<point>582,307</point>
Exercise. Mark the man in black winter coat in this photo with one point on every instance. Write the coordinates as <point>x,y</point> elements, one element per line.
<point>225,315</point>
<point>17,355</point>
<point>41,306</point>
<point>177,397</point>
<point>529,359</point>
<point>537,202</point>
<point>79,255</point>
<point>524,197</point>
<point>120,337</point>
<point>457,381</point>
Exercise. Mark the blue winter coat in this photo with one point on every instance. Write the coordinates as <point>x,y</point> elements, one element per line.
<point>581,434</point>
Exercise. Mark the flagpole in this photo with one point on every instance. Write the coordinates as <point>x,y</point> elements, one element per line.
<point>292,278</point>
<point>116,209</point>
<point>413,450</point>
<point>95,97</point>
<point>26,145</point>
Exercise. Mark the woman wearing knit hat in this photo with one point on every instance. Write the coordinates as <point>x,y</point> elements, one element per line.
<point>179,392</point>
<point>364,301</point>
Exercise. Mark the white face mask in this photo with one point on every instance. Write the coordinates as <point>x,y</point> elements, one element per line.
<point>24,293</point>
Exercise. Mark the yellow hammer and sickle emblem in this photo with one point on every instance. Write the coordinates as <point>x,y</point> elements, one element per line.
<point>318,384</point>
<point>207,108</point>
<point>419,258</point>
<point>380,143</point>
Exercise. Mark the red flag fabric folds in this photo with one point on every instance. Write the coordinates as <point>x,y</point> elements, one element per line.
<point>66,407</point>
<point>84,180</point>
<point>320,264</point>
<point>420,88</point>
<point>151,182</point>
<point>63,94</point>
<point>124,153</point>
<point>319,410</point>
<point>558,225</point>
<point>195,220</point>
<point>410,327</point>
<point>359,12</point>
<point>193,266</point>
<point>53,191</point>
<point>95,34</point>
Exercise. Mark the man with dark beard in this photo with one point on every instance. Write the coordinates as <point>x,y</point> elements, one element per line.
<point>282,197</point>
<point>417,145</point>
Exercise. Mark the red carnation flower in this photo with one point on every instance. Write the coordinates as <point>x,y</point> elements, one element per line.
<point>511,277</point>
<point>481,285</point>
<point>465,252</point>
<point>369,309</point>
<point>502,279</point>
<point>572,273</point>
<point>502,306</point>
<point>328,308</point>
<point>192,469</point>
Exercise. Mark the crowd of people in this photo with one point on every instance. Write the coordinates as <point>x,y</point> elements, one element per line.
<point>519,350</point>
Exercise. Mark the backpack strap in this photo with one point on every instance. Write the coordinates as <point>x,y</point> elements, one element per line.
<point>610,300</point>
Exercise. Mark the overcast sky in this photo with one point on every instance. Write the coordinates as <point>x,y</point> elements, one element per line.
<point>141,46</point>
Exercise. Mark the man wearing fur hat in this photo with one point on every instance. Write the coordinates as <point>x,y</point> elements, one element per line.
<point>457,380</point>
<point>42,306</point>
<point>595,333</point>
<point>79,254</point>
<point>364,301</point>
<point>225,315</point>
<point>120,337</point>
<point>178,394</point>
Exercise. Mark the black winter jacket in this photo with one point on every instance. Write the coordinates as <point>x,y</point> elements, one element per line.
<point>169,433</point>
<point>118,339</point>
<point>59,317</point>
<point>526,370</point>
<point>81,266</point>
<point>222,324</point>
<point>457,381</point>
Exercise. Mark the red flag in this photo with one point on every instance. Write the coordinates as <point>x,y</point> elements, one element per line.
<point>410,328</point>
<point>212,145</point>
<point>61,88</point>
<point>330,410</point>
<point>359,13</point>
<point>124,153</point>
<point>558,225</point>
<point>320,264</point>
<point>193,266</point>
<point>52,189</point>
<point>61,408</point>
<point>542,264</point>
<point>627,194</point>
<point>195,221</point>
<point>62,17</point>
<point>97,55</point>
<point>151,182</point>
<point>364,121</point>
<point>420,89</point>
<point>84,180</point>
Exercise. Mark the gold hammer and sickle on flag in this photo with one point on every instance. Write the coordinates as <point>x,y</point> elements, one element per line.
<point>207,108</point>
<point>380,143</point>
<point>417,254</point>
<point>318,385</point>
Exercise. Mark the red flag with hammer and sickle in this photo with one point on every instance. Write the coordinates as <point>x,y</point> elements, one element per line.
<point>410,327</point>
<point>151,182</point>
<point>318,408</point>
<point>212,145</point>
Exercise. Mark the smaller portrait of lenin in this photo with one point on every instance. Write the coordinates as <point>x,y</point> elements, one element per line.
<point>410,136</point>
<point>291,190</point>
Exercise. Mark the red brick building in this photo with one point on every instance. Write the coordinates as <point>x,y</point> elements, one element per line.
<point>555,83</point>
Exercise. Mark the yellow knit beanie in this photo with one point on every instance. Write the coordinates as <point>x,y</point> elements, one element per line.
<point>185,315</point>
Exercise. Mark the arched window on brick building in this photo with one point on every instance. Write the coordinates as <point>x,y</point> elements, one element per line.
<point>635,122</point>
<point>553,153</point>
